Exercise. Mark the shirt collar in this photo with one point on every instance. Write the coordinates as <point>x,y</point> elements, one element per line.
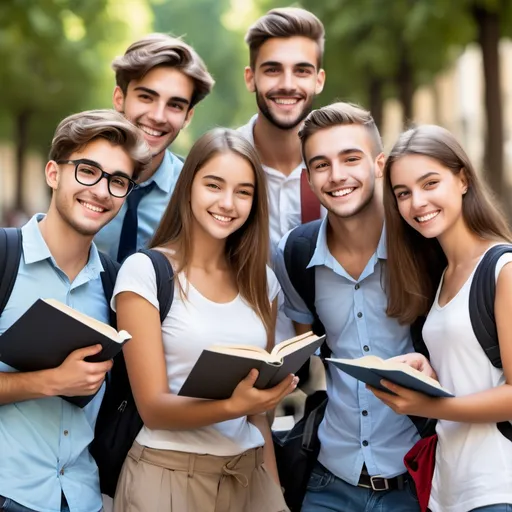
<point>248,129</point>
<point>164,175</point>
<point>35,248</point>
<point>322,256</point>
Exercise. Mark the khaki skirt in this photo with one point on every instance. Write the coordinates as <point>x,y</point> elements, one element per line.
<point>170,481</point>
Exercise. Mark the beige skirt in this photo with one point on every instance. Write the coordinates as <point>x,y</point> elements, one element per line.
<point>170,481</point>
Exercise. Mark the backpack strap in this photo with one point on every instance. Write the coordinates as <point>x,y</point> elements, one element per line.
<point>108,280</point>
<point>164,280</point>
<point>10,257</point>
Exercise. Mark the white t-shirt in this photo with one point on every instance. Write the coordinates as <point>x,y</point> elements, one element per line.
<point>192,325</point>
<point>473,461</point>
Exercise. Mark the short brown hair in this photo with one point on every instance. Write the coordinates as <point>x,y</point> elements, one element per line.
<point>339,114</point>
<point>163,50</point>
<point>285,22</point>
<point>78,130</point>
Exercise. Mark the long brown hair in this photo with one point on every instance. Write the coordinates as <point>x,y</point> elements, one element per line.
<point>415,263</point>
<point>247,249</point>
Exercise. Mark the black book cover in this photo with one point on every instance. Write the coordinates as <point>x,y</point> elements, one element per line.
<point>44,336</point>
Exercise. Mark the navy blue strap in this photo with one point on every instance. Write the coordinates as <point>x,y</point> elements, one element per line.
<point>10,257</point>
<point>108,280</point>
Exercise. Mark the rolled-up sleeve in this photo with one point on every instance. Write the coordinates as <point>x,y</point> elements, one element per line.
<point>294,307</point>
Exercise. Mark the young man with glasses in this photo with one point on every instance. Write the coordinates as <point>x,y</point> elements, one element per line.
<point>45,464</point>
<point>159,81</point>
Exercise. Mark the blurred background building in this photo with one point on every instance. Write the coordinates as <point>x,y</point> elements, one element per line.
<point>408,61</point>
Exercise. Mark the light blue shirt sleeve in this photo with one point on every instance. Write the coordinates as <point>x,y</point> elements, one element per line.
<point>294,307</point>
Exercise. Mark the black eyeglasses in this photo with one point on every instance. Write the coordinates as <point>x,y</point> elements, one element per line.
<point>89,173</point>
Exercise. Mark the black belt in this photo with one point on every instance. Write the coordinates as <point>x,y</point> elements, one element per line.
<point>379,483</point>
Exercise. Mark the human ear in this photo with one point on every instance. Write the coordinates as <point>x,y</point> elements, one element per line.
<point>249,79</point>
<point>380,161</point>
<point>320,81</point>
<point>118,99</point>
<point>52,174</point>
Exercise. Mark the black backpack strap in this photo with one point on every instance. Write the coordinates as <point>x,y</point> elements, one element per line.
<point>481,303</point>
<point>108,280</point>
<point>298,251</point>
<point>164,280</point>
<point>10,257</point>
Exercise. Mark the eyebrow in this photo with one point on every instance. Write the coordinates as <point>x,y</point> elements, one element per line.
<point>151,92</point>
<point>96,164</point>
<point>340,153</point>
<point>222,180</point>
<point>421,178</point>
<point>277,64</point>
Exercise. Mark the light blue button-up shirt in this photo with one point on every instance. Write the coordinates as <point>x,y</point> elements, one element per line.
<point>44,442</point>
<point>149,212</point>
<point>357,427</point>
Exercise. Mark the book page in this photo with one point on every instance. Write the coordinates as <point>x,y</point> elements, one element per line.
<point>242,350</point>
<point>286,346</point>
<point>101,327</point>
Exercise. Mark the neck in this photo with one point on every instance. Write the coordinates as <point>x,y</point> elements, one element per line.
<point>278,149</point>
<point>156,161</point>
<point>69,248</point>
<point>359,234</point>
<point>460,245</point>
<point>208,253</point>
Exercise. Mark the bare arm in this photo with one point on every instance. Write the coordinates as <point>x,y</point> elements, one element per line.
<point>74,377</point>
<point>269,456</point>
<point>489,406</point>
<point>160,409</point>
<point>301,328</point>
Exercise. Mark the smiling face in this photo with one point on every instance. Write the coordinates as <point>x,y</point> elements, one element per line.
<point>88,208</point>
<point>222,195</point>
<point>159,104</point>
<point>286,80</point>
<point>428,194</point>
<point>342,168</point>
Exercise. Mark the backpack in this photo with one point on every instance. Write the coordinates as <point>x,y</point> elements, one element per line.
<point>119,422</point>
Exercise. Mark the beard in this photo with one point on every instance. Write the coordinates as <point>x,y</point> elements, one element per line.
<point>287,125</point>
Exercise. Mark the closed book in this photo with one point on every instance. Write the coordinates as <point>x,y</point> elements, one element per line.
<point>220,368</point>
<point>372,369</point>
<point>49,331</point>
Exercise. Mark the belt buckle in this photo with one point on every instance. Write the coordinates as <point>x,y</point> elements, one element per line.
<point>379,483</point>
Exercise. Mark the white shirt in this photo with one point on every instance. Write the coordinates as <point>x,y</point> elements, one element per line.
<point>473,460</point>
<point>193,324</point>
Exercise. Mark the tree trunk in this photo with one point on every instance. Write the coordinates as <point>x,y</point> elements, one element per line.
<point>405,85</point>
<point>488,24</point>
<point>21,131</point>
<point>376,101</point>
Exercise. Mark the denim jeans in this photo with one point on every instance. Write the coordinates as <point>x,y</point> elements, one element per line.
<point>501,507</point>
<point>11,506</point>
<point>327,492</point>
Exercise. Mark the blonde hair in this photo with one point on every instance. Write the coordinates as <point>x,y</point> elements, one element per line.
<point>78,130</point>
<point>163,50</point>
<point>285,22</point>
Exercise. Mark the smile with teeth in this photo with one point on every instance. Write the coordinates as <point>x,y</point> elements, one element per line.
<point>221,218</point>
<point>429,216</point>
<point>342,192</point>
<point>285,101</point>
<point>92,207</point>
<point>150,131</point>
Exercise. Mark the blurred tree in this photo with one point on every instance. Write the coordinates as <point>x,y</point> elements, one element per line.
<point>201,24</point>
<point>49,51</point>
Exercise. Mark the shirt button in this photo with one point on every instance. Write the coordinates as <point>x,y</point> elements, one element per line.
<point>62,471</point>
<point>359,315</point>
<point>356,286</point>
<point>66,432</point>
<point>365,443</point>
<point>366,348</point>
<point>365,413</point>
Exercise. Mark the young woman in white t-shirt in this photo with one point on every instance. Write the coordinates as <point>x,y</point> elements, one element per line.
<point>203,455</point>
<point>440,221</point>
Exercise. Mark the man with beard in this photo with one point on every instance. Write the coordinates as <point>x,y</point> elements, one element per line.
<point>285,49</point>
<point>160,79</point>
<point>95,159</point>
<point>363,443</point>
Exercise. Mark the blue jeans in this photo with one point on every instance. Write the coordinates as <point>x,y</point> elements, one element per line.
<point>327,492</point>
<point>12,506</point>
<point>502,507</point>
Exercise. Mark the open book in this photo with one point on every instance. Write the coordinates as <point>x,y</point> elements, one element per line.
<point>372,369</point>
<point>49,331</point>
<point>220,368</point>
